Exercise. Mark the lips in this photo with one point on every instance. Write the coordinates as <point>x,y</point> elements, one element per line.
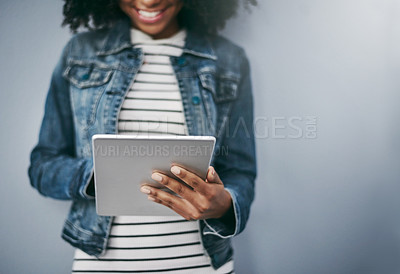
<point>150,16</point>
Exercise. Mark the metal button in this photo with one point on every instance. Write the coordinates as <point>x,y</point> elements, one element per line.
<point>181,61</point>
<point>196,100</point>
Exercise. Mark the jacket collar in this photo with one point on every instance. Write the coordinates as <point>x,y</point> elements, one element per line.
<point>118,38</point>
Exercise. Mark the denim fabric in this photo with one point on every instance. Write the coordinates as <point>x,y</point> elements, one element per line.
<point>87,89</point>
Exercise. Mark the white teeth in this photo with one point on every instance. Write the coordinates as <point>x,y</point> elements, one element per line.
<point>149,14</point>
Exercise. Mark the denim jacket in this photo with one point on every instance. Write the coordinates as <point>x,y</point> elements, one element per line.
<point>87,89</point>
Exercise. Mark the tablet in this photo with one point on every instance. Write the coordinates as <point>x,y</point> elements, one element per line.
<point>122,163</point>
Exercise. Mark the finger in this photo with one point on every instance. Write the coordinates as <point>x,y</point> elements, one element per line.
<point>154,196</point>
<point>179,205</point>
<point>191,179</point>
<point>212,176</point>
<point>179,188</point>
<point>158,201</point>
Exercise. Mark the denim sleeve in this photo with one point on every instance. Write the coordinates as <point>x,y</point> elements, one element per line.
<point>236,162</point>
<point>54,169</point>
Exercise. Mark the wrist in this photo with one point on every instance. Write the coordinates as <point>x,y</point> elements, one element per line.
<point>228,215</point>
<point>227,205</point>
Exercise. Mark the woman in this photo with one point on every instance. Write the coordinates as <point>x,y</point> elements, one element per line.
<point>150,67</point>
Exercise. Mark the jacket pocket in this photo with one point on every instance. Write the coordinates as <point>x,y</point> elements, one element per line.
<point>88,82</point>
<point>224,87</point>
<point>219,91</point>
<point>86,76</point>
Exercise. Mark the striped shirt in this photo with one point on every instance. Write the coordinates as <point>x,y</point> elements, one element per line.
<point>153,104</point>
<point>152,244</point>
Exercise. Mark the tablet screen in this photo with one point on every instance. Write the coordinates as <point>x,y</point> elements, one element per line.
<point>122,163</point>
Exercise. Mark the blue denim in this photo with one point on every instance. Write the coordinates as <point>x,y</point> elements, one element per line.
<point>87,89</point>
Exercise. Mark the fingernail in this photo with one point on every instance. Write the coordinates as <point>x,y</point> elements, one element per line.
<point>212,171</point>
<point>145,190</point>
<point>176,170</point>
<point>151,198</point>
<point>156,177</point>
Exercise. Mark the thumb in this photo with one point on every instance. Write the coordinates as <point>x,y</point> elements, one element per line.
<point>212,176</point>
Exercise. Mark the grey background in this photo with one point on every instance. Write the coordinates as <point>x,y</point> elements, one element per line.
<point>324,205</point>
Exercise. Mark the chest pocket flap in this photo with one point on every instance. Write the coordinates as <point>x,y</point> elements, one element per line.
<point>86,76</point>
<point>224,87</point>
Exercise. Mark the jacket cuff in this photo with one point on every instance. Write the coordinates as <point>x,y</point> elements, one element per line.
<point>86,183</point>
<point>228,225</point>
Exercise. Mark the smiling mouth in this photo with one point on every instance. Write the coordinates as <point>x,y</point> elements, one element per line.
<point>150,14</point>
<point>150,17</point>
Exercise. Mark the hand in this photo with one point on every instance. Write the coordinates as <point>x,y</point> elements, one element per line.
<point>208,199</point>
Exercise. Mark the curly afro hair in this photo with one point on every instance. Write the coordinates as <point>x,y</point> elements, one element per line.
<point>206,16</point>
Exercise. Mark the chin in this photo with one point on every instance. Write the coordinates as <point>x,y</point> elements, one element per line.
<point>153,31</point>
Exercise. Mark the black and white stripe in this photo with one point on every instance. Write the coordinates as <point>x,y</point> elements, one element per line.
<point>149,244</point>
<point>154,95</point>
